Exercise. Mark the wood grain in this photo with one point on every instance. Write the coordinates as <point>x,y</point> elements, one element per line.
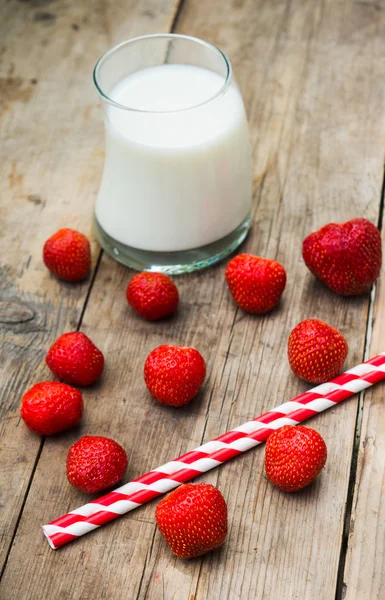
<point>364,575</point>
<point>314,87</point>
<point>51,155</point>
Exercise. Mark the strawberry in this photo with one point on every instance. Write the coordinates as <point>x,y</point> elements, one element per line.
<point>75,359</point>
<point>316,351</point>
<point>152,295</point>
<point>67,255</point>
<point>294,457</point>
<point>50,407</point>
<point>345,256</point>
<point>193,519</point>
<point>173,374</point>
<point>255,283</point>
<point>95,463</point>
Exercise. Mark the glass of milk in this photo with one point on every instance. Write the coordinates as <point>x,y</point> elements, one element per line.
<point>177,183</point>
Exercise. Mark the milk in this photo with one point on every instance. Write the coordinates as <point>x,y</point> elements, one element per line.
<point>176,180</point>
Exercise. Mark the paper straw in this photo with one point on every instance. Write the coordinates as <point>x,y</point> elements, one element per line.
<point>212,454</point>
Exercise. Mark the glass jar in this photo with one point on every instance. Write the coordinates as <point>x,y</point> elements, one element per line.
<point>177,183</point>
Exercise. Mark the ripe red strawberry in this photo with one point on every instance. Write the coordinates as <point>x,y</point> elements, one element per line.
<point>152,295</point>
<point>75,359</point>
<point>316,351</point>
<point>294,457</point>
<point>95,463</point>
<point>67,255</point>
<point>255,283</point>
<point>174,374</point>
<point>345,256</point>
<point>50,407</point>
<point>193,519</point>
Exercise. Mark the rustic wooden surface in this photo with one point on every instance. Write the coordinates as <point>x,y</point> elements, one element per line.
<point>313,78</point>
<point>51,154</point>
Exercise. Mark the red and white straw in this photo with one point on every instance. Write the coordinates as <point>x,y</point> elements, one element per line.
<point>212,454</point>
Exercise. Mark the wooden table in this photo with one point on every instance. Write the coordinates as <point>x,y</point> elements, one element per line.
<point>313,78</point>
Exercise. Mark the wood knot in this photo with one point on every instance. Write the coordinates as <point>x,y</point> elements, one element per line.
<point>37,3</point>
<point>45,16</point>
<point>14,311</point>
<point>35,199</point>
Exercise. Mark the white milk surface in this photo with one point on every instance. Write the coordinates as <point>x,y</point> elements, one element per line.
<point>179,180</point>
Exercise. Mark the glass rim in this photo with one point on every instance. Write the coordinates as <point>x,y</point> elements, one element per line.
<point>106,55</point>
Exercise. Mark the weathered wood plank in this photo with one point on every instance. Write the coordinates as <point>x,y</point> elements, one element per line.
<point>312,84</point>
<point>51,155</point>
<point>364,575</point>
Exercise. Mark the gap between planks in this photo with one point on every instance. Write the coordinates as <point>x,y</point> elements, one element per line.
<point>178,12</point>
<point>340,584</point>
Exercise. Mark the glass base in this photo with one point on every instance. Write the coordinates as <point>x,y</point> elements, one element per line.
<point>173,263</point>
